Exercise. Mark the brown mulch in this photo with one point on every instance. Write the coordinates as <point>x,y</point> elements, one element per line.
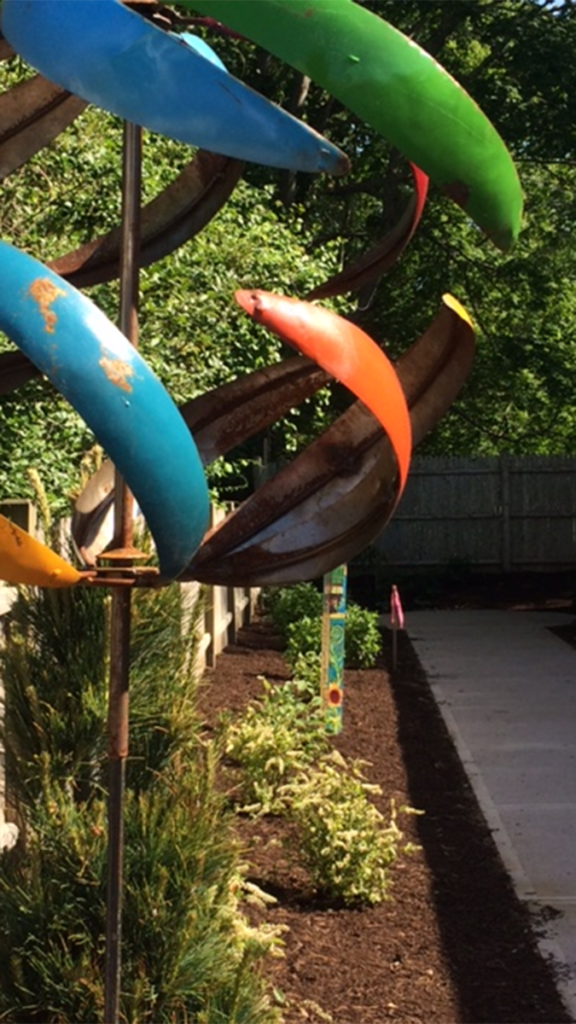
<point>454,944</point>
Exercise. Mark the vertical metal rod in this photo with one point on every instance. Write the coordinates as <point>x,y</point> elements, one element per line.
<point>119,675</point>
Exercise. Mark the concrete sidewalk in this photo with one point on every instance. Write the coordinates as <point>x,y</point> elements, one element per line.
<point>506,688</point>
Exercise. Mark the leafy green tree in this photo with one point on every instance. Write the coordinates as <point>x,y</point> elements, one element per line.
<point>288,232</point>
<point>516,58</point>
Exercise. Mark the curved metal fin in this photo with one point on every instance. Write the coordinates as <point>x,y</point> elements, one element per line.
<point>433,371</point>
<point>178,213</point>
<point>32,114</point>
<point>339,493</point>
<point>382,256</point>
<point>228,415</point>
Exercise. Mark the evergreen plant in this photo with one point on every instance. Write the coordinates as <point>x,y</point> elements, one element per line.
<point>189,954</point>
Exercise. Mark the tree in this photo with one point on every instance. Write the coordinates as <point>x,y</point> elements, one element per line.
<point>517,60</point>
<point>287,233</point>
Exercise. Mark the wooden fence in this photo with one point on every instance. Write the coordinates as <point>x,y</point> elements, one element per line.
<point>504,513</point>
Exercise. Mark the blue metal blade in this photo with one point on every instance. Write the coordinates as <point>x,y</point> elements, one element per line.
<point>100,373</point>
<point>110,56</point>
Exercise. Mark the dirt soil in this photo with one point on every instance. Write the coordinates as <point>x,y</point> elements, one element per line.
<point>453,945</point>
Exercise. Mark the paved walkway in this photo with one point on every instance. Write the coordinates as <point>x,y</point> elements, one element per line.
<point>506,687</point>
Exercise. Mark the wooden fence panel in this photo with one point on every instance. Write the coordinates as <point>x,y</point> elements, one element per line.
<point>506,513</point>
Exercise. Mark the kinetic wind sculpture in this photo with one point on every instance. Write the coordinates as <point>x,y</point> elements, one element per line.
<point>337,495</point>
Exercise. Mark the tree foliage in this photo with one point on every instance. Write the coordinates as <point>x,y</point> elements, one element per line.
<point>288,232</point>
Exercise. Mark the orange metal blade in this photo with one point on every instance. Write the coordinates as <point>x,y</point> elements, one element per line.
<point>346,352</point>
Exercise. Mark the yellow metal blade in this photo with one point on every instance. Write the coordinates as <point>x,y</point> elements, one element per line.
<point>25,560</point>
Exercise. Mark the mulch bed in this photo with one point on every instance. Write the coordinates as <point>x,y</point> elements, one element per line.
<point>454,944</point>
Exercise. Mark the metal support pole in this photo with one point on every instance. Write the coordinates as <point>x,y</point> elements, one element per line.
<point>120,610</point>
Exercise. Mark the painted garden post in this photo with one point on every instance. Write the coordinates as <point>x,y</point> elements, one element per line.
<point>333,644</point>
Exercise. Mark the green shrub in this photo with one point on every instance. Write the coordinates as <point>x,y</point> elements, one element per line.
<point>287,768</point>
<point>286,605</point>
<point>188,951</point>
<point>343,840</point>
<point>362,641</point>
<point>303,638</point>
<point>306,675</point>
<point>272,741</point>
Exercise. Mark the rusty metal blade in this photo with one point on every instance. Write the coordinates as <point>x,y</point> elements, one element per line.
<point>92,524</point>
<point>219,420</point>
<point>381,257</point>
<point>32,114</point>
<point>337,495</point>
<point>340,492</point>
<point>308,510</point>
<point>178,213</point>
<point>15,369</point>
<point>226,416</point>
<point>433,371</point>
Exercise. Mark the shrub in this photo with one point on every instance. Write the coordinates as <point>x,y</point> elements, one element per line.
<point>286,605</point>
<point>362,638</point>
<point>306,675</point>
<point>273,740</point>
<point>343,840</point>
<point>288,769</point>
<point>303,638</point>
<point>188,950</point>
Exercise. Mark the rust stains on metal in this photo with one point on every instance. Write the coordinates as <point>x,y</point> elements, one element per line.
<point>44,292</point>
<point>117,372</point>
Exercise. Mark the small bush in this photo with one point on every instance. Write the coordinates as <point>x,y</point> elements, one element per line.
<point>274,740</point>
<point>362,638</point>
<point>287,605</point>
<point>189,952</point>
<point>306,675</point>
<point>303,638</point>
<point>363,641</point>
<point>343,840</point>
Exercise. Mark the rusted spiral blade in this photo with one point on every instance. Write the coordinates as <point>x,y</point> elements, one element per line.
<point>433,371</point>
<point>304,512</point>
<point>336,496</point>
<point>178,213</point>
<point>32,114</point>
<point>381,257</point>
<point>219,420</point>
<point>227,416</point>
